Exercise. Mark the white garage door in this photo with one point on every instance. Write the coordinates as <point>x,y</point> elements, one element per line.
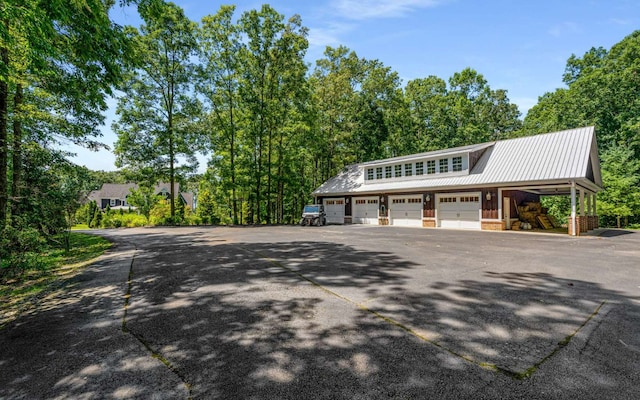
<point>365,210</point>
<point>405,210</point>
<point>334,208</point>
<point>459,210</point>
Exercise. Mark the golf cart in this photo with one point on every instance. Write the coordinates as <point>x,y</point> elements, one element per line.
<point>313,214</point>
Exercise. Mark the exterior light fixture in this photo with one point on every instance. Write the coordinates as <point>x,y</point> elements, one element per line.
<point>427,198</point>
<point>381,199</point>
<point>489,196</point>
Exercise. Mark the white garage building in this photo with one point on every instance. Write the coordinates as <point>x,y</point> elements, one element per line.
<point>470,187</point>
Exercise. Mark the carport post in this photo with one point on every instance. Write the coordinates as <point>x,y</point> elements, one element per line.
<point>573,208</point>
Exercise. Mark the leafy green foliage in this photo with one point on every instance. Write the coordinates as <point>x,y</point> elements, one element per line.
<point>21,246</point>
<point>621,174</point>
<point>144,199</point>
<point>602,90</point>
<point>58,62</point>
<point>238,88</point>
<point>467,111</point>
<point>155,127</point>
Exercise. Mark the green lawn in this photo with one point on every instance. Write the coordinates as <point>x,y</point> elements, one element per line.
<point>80,227</point>
<point>19,294</point>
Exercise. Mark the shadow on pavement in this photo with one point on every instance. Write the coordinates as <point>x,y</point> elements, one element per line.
<point>305,320</point>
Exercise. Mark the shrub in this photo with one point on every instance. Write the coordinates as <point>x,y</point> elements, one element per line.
<point>19,250</point>
<point>128,220</point>
<point>160,213</point>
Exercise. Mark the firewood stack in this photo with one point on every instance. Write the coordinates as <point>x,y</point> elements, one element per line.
<point>533,213</point>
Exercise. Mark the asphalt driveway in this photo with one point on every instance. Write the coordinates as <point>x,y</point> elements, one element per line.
<point>353,312</point>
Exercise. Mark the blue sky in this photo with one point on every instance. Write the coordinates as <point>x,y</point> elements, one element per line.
<point>520,46</point>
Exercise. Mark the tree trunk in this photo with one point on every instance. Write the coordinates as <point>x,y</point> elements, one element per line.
<point>16,195</point>
<point>280,198</point>
<point>4,150</point>
<point>172,155</point>
<point>172,179</point>
<point>269,176</point>
<point>232,155</point>
<point>258,162</point>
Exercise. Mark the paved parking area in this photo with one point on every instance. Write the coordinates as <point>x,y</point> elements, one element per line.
<point>354,312</point>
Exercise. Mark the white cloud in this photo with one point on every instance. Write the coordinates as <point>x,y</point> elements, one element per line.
<point>329,35</point>
<point>524,104</point>
<point>371,9</point>
<point>619,21</point>
<point>565,28</point>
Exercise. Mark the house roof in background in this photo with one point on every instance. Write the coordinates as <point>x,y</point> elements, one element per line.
<point>122,190</point>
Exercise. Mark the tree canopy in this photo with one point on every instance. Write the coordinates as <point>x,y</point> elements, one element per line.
<point>602,90</point>
<point>237,88</point>
<point>59,61</point>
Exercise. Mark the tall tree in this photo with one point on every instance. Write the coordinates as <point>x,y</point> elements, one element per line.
<point>427,103</point>
<point>155,127</point>
<point>220,44</point>
<point>272,63</point>
<point>335,82</point>
<point>466,111</point>
<point>602,90</point>
<point>58,62</point>
<point>621,175</point>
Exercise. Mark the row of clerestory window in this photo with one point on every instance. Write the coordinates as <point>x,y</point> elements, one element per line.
<point>415,169</point>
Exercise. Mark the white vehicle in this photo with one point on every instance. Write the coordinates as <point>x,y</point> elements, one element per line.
<point>313,214</point>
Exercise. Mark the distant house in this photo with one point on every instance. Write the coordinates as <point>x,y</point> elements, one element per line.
<point>115,195</point>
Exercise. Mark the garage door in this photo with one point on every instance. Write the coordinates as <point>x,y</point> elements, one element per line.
<point>405,210</point>
<point>459,210</point>
<point>365,210</point>
<point>334,208</point>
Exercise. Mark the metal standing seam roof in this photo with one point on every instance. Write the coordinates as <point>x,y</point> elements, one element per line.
<point>550,157</point>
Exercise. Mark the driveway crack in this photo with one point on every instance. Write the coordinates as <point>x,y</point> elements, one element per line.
<point>140,338</point>
<point>486,365</point>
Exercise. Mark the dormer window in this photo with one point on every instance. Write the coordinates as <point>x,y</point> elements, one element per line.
<point>420,168</point>
<point>456,163</point>
<point>369,174</point>
<point>408,169</point>
<point>444,165</point>
<point>397,171</point>
<point>379,173</point>
<point>387,171</point>
<point>431,167</point>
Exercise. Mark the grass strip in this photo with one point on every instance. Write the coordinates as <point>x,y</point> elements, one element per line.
<point>23,292</point>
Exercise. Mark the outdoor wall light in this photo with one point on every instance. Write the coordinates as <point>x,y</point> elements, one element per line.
<point>381,199</point>
<point>489,196</point>
<point>347,200</point>
<point>427,198</point>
